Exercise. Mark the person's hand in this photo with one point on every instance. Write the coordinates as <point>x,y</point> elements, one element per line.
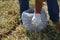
<point>36,19</point>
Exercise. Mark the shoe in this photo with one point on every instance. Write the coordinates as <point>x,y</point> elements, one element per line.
<point>57,25</point>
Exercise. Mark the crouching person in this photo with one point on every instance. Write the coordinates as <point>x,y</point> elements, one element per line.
<point>53,10</point>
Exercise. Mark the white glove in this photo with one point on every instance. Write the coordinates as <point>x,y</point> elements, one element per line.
<point>36,19</point>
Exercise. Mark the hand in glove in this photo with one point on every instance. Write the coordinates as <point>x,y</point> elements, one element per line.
<point>36,19</point>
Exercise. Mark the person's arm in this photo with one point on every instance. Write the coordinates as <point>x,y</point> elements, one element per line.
<point>37,13</point>
<point>38,6</point>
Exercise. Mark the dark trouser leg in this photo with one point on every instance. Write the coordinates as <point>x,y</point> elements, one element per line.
<point>53,9</point>
<point>24,5</point>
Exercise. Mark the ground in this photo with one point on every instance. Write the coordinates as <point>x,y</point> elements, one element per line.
<point>10,29</point>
